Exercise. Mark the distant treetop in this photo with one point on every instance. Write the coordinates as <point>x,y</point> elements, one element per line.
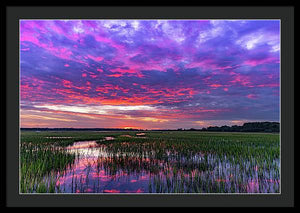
<point>246,127</point>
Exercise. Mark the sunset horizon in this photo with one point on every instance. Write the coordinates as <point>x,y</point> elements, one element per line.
<point>146,129</point>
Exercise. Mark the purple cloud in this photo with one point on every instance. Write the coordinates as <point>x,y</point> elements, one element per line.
<point>187,71</point>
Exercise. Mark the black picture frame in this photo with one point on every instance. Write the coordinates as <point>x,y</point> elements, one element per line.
<point>11,196</point>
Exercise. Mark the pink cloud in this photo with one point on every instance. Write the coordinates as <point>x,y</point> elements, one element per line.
<point>252,96</point>
<point>98,59</point>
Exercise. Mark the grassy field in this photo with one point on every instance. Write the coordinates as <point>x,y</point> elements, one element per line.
<point>153,162</point>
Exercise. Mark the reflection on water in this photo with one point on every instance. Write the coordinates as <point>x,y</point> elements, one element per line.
<point>90,175</point>
<point>140,134</point>
<point>83,145</point>
<point>56,137</point>
<point>97,170</point>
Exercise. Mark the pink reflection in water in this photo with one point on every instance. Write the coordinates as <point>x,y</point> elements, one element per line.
<point>139,191</point>
<point>89,174</point>
<point>111,191</point>
<point>140,134</point>
<point>101,174</point>
<point>82,145</point>
<point>109,138</point>
<point>135,191</point>
<point>89,190</point>
<point>97,171</point>
<point>222,180</point>
<point>253,186</point>
<point>143,177</point>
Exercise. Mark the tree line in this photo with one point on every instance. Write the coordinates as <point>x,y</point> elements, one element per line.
<point>246,127</point>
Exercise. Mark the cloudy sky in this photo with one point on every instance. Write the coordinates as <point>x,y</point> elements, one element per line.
<point>148,74</point>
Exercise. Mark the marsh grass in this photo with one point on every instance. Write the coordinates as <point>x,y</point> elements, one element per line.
<point>174,161</point>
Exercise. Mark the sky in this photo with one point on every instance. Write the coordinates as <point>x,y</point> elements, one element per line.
<point>148,74</point>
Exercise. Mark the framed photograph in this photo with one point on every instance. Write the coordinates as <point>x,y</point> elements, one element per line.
<point>150,106</point>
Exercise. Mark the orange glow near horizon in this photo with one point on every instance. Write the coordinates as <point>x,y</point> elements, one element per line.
<point>130,127</point>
